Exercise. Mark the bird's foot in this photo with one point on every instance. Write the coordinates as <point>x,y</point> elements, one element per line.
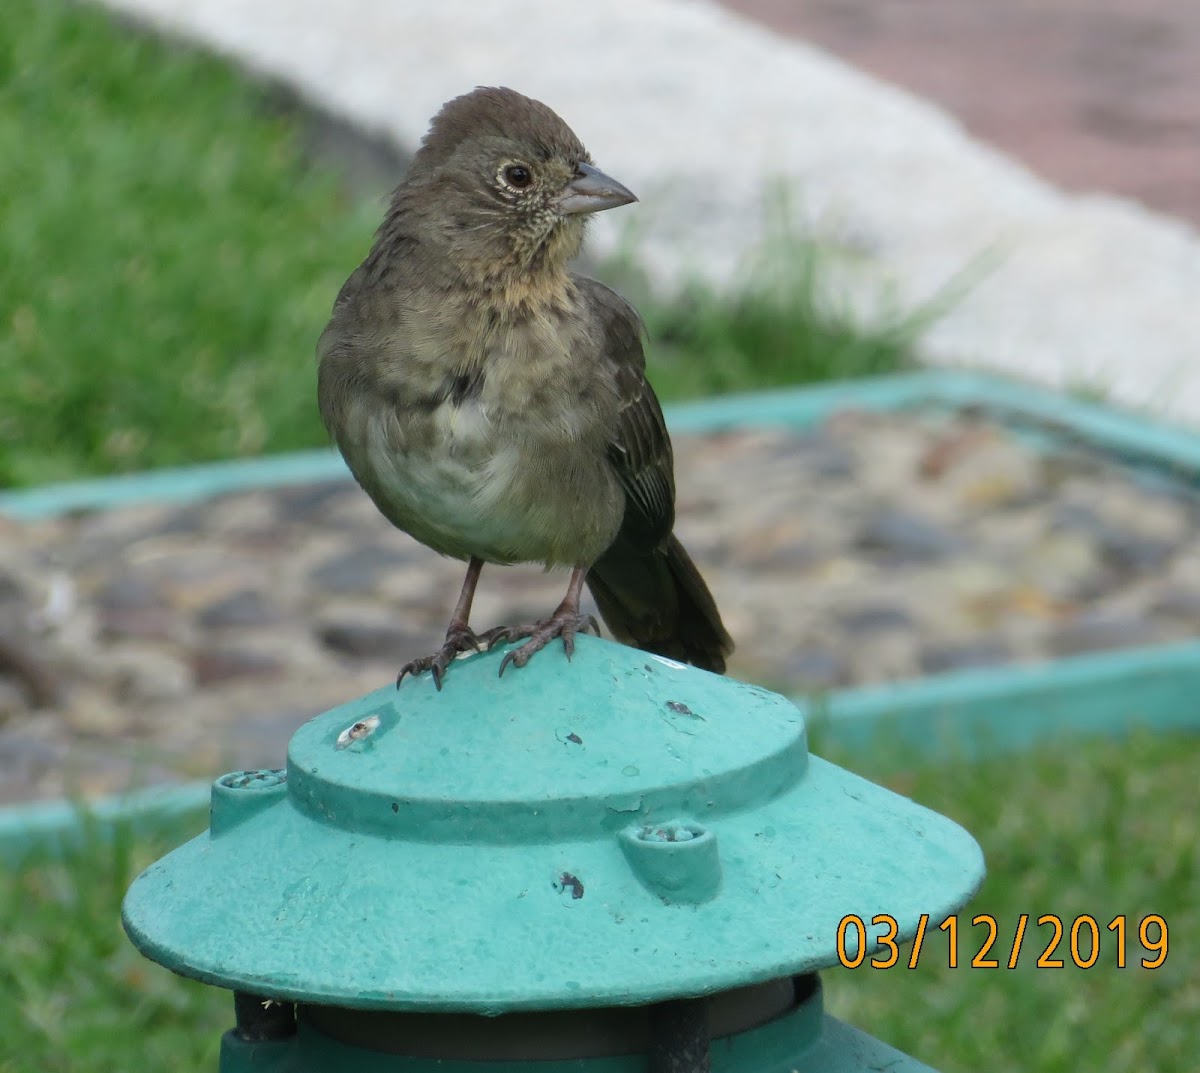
<point>564,623</point>
<point>459,639</point>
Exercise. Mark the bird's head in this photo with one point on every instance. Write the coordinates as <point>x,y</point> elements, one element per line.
<point>511,183</point>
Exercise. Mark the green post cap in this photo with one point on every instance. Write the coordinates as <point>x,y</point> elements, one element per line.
<point>615,830</point>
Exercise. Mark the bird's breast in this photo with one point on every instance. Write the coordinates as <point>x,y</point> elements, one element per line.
<point>462,483</point>
<point>488,437</point>
<point>464,428</point>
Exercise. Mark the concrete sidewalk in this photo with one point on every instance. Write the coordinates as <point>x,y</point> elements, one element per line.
<point>1092,94</point>
<point>701,112</point>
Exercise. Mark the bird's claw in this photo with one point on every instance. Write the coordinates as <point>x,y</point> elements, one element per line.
<point>562,624</point>
<point>459,639</point>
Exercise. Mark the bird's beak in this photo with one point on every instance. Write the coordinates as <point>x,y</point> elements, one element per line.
<point>592,191</point>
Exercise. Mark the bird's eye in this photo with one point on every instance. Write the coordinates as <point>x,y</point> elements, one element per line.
<point>517,176</point>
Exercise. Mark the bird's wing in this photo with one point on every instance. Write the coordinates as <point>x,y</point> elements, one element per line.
<point>640,449</point>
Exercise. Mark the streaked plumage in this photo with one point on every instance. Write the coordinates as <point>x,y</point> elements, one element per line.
<point>493,404</point>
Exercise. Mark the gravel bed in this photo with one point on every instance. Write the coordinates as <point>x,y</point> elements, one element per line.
<point>157,643</point>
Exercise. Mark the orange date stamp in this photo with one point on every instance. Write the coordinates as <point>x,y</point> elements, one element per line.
<point>1080,942</point>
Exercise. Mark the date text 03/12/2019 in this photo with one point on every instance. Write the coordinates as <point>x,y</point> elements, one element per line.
<point>1082,942</point>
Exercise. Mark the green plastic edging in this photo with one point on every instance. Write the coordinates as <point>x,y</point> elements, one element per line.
<point>178,485</point>
<point>1005,708</point>
<point>1016,707</point>
<point>52,827</point>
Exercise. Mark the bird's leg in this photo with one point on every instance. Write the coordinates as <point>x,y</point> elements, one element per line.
<point>566,622</point>
<point>459,636</point>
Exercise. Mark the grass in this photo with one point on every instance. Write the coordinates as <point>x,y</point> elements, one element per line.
<point>1101,827</point>
<point>74,994</point>
<point>171,253</point>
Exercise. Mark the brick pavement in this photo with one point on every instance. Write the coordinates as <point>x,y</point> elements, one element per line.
<point>1092,94</point>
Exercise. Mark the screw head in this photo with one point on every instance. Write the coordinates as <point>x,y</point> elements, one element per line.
<point>261,779</point>
<point>241,794</point>
<point>677,860</point>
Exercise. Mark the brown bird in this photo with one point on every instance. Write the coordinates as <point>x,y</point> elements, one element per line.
<point>494,405</point>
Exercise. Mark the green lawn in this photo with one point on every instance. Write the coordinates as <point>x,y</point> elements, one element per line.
<point>75,997</point>
<point>170,257</point>
<point>1102,828</point>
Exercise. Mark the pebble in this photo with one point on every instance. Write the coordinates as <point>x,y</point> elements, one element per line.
<point>244,608</point>
<point>822,458</point>
<point>193,576</point>
<point>1095,632</point>
<point>258,739</point>
<point>27,761</point>
<point>361,639</point>
<point>13,700</point>
<point>315,503</point>
<point>11,590</point>
<point>1183,604</point>
<point>136,623</point>
<point>904,537</point>
<point>186,521</point>
<point>817,669</point>
<point>874,548</point>
<point>145,673</point>
<point>1062,565</point>
<point>357,570</point>
<point>128,592</point>
<point>216,664</point>
<point>100,715</point>
<point>885,657</point>
<point>984,652</point>
<point>1123,548</point>
<point>873,618</point>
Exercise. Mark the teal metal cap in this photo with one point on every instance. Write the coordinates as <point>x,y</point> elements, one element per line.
<point>618,829</point>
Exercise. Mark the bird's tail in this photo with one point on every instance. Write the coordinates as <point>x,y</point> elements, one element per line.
<point>657,601</point>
